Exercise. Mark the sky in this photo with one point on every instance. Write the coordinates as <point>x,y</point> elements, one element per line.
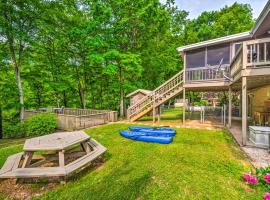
<point>196,7</point>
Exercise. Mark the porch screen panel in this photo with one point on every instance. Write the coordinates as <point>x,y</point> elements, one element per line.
<point>268,51</point>
<point>195,58</point>
<point>216,53</point>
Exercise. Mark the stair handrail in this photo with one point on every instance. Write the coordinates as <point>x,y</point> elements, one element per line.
<point>155,94</point>
<point>150,94</point>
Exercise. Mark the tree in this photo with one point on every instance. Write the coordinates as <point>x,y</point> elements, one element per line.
<point>1,123</point>
<point>17,27</point>
<point>228,20</point>
<point>90,54</point>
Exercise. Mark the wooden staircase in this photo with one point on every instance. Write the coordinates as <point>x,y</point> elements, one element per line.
<point>160,95</point>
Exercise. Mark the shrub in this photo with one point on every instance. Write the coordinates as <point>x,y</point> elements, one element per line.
<point>14,130</point>
<point>40,124</point>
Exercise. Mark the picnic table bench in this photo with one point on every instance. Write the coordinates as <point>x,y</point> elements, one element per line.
<point>20,166</point>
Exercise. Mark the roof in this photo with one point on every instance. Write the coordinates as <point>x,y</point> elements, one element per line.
<point>139,91</point>
<point>229,38</point>
<point>261,18</point>
<point>240,36</point>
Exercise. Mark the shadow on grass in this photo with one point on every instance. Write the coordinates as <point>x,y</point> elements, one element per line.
<point>123,182</point>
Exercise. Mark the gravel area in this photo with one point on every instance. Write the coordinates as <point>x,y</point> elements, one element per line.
<point>259,157</point>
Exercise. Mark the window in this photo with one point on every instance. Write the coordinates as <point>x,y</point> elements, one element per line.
<point>195,58</point>
<point>216,54</point>
<point>235,48</point>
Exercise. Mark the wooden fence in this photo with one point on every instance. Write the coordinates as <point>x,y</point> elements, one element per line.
<point>70,119</point>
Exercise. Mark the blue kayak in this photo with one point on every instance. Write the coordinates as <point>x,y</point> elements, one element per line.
<point>140,136</point>
<point>154,131</point>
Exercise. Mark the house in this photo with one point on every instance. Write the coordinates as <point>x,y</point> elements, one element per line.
<point>137,95</point>
<point>180,103</point>
<point>234,63</point>
<point>211,98</point>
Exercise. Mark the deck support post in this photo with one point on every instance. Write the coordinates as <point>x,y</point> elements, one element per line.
<point>154,115</point>
<point>230,108</point>
<point>158,114</point>
<point>154,110</point>
<point>184,106</point>
<point>244,110</point>
<point>244,96</point>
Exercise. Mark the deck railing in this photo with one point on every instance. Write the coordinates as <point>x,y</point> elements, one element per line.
<point>237,63</point>
<point>258,52</point>
<point>210,73</point>
<point>252,54</point>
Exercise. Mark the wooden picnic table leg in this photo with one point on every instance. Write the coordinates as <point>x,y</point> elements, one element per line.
<point>86,147</point>
<point>27,158</point>
<point>61,158</point>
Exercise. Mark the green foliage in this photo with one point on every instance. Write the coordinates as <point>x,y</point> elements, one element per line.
<point>228,20</point>
<point>14,130</point>
<point>40,124</point>
<point>260,173</point>
<point>92,53</point>
<point>36,125</point>
<point>202,102</point>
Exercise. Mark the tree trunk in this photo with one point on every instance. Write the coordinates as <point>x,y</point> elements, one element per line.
<point>65,99</point>
<point>122,101</point>
<point>16,65</point>
<point>1,124</point>
<point>20,89</point>
<point>82,97</point>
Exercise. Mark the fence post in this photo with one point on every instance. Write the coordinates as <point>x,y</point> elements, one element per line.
<point>203,114</point>
<point>224,115</point>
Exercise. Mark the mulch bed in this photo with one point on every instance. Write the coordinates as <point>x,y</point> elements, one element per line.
<point>28,188</point>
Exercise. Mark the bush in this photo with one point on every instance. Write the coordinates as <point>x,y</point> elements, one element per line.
<point>36,125</point>
<point>14,130</point>
<point>40,124</point>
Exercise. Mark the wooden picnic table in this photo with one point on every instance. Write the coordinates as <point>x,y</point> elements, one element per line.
<point>59,143</point>
<point>54,142</point>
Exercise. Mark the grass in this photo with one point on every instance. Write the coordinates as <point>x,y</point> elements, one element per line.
<point>168,114</point>
<point>171,115</point>
<point>199,164</point>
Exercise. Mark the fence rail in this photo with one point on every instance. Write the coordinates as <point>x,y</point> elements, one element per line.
<point>75,119</point>
<point>79,112</point>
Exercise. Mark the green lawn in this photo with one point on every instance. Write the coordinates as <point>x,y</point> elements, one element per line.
<point>172,115</point>
<point>199,164</point>
<point>168,114</point>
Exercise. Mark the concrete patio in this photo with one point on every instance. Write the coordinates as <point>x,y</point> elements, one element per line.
<point>259,157</point>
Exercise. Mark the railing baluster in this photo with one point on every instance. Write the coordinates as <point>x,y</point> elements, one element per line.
<point>258,52</point>
<point>265,51</point>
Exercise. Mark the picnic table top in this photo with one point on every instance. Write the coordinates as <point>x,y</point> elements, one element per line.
<point>55,141</point>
